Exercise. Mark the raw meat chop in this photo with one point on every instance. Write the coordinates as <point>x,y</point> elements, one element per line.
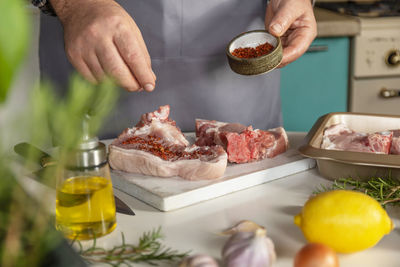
<point>340,137</point>
<point>395,149</point>
<point>155,146</point>
<point>243,144</point>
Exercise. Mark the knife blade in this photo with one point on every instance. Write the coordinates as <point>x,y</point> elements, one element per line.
<point>122,207</point>
<point>48,165</point>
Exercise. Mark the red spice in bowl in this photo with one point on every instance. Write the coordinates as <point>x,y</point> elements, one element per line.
<point>253,52</point>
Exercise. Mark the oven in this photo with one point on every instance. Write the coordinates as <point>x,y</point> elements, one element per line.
<point>374,81</point>
<point>375,75</point>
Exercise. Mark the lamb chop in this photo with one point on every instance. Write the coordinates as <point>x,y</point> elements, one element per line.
<point>242,143</point>
<point>156,146</point>
<point>340,137</point>
<point>395,149</point>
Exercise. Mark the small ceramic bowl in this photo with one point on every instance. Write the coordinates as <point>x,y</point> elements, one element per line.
<point>258,65</point>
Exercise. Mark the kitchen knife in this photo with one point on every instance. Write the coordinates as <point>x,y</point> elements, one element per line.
<point>122,207</point>
<point>48,164</point>
<point>33,154</point>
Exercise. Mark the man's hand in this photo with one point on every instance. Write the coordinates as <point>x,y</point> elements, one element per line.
<point>102,39</point>
<point>294,22</point>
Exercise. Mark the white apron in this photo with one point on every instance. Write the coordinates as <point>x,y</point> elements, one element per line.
<point>186,40</point>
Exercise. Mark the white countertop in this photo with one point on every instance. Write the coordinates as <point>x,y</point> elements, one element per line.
<point>272,205</point>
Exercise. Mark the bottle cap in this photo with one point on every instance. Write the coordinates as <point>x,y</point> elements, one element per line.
<point>91,153</point>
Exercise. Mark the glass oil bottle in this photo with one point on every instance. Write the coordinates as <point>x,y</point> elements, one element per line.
<point>85,206</point>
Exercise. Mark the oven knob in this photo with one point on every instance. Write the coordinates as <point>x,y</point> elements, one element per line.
<point>393,58</point>
<point>389,93</point>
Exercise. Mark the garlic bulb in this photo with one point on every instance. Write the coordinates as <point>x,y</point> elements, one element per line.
<point>242,226</point>
<point>199,260</point>
<point>250,249</point>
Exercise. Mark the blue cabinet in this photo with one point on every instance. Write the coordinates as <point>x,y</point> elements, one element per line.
<point>315,84</point>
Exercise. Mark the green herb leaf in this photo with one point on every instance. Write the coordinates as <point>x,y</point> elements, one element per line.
<point>384,190</point>
<point>60,120</point>
<point>149,250</point>
<point>14,33</point>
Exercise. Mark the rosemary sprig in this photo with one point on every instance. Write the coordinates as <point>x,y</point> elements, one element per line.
<point>384,190</point>
<point>149,250</point>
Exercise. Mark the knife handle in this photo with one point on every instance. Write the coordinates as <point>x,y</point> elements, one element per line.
<point>34,154</point>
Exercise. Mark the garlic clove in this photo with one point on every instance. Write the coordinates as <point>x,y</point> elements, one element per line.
<point>250,249</point>
<point>242,226</point>
<point>199,260</point>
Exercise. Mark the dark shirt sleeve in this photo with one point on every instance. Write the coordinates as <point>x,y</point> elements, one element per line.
<point>44,6</point>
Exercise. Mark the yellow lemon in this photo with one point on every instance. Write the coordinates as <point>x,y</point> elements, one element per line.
<point>347,221</point>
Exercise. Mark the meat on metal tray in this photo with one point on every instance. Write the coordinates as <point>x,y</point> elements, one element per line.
<point>334,164</point>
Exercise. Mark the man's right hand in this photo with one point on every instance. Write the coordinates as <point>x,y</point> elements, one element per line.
<point>101,39</point>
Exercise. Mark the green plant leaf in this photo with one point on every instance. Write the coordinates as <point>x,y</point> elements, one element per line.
<point>27,237</point>
<point>14,33</point>
<point>59,121</point>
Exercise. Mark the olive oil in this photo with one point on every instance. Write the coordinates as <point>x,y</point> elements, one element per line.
<point>85,207</point>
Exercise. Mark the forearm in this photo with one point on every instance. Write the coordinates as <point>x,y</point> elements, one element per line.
<point>58,6</point>
<point>63,8</point>
<point>54,7</point>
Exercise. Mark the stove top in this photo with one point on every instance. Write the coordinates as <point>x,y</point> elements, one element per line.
<point>384,8</point>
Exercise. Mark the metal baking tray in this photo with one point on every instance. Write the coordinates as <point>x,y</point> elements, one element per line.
<point>334,164</point>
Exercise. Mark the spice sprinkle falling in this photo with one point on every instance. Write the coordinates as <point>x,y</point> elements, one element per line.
<point>251,52</point>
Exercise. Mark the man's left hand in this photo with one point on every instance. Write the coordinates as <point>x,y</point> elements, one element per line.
<point>294,22</point>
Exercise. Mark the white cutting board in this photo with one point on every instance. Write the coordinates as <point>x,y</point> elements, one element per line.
<point>172,193</point>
